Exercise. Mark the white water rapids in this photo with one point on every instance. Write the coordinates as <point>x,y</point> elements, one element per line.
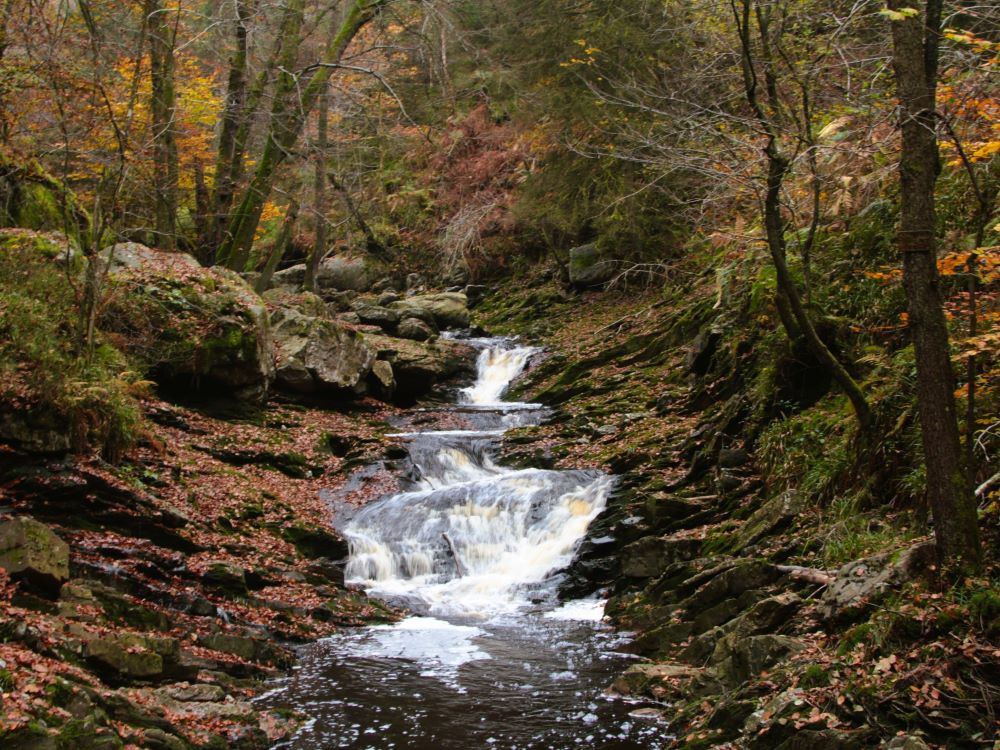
<point>475,536</point>
<point>490,658</point>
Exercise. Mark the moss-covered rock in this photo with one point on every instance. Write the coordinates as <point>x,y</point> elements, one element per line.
<point>588,267</point>
<point>32,198</point>
<point>191,326</point>
<point>32,552</point>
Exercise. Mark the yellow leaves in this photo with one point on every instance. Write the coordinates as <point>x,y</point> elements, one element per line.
<point>899,15</point>
<point>588,50</point>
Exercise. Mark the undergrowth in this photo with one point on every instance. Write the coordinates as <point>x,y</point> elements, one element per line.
<point>90,398</point>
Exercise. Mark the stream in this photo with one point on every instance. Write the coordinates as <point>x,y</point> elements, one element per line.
<point>490,658</point>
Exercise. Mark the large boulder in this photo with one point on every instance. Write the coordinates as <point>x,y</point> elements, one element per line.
<point>201,327</point>
<point>589,268</point>
<point>447,309</point>
<point>316,354</point>
<point>415,330</point>
<point>349,272</point>
<point>31,551</point>
<point>418,366</point>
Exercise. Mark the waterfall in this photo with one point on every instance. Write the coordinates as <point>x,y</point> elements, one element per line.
<point>474,538</point>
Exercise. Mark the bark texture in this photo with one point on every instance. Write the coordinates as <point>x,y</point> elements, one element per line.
<point>915,60</point>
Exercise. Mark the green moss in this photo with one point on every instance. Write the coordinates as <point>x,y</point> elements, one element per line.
<point>853,637</point>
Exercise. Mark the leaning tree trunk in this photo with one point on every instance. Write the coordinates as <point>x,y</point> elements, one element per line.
<point>292,104</point>
<point>915,60</point>
<point>163,111</point>
<point>233,112</point>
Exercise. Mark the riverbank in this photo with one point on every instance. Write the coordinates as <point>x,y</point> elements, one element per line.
<point>775,605</point>
<point>165,543</point>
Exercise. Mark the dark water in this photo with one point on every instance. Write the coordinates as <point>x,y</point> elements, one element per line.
<point>490,658</point>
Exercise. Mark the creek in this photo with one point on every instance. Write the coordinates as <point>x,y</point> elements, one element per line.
<point>489,657</point>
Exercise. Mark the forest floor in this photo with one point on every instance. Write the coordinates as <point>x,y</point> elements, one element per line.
<point>190,562</point>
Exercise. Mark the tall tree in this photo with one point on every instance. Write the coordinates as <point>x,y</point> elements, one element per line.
<point>319,194</point>
<point>163,111</point>
<point>292,104</point>
<point>232,116</point>
<point>761,87</point>
<point>916,37</point>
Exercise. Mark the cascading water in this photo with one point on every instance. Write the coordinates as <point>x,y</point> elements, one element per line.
<point>490,659</point>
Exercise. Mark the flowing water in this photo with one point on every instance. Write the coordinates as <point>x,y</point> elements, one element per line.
<point>490,658</point>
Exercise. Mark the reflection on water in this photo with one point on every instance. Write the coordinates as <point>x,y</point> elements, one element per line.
<point>492,660</point>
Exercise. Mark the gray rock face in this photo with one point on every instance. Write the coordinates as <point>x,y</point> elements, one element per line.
<point>316,354</point>
<point>383,380</point>
<point>373,315</point>
<point>133,656</point>
<point>31,551</point>
<point>347,272</point>
<point>447,309</point>
<point>589,268</point>
<point>289,278</point>
<point>864,581</point>
<point>35,431</point>
<point>417,366</point>
<point>415,330</point>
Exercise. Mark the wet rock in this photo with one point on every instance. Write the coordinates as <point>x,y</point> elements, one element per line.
<point>415,330</point>
<point>639,677</point>
<point>315,541</point>
<point>388,297</point>
<point>316,354</point>
<point>244,648</point>
<point>448,309</point>
<point>649,556</point>
<point>589,268</point>
<point>32,553</point>
<point>743,576</point>
<point>863,581</point>
<point>417,365</point>
<point>185,691</point>
<point>226,577</point>
<point>475,293</point>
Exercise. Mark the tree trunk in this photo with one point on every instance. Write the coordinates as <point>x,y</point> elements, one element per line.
<point>319,196</point>
<point>280,248</point>
<point>915,60</point>
<point>292,104</point>
<point>789,301</point>
<point>163,111</point>
<point>232,115</point>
